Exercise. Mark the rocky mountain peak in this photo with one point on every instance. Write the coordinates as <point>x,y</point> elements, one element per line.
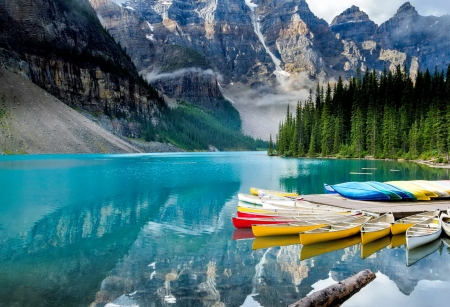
<point>406,10</point>
<point>352,14</point>
<point>353,24</point>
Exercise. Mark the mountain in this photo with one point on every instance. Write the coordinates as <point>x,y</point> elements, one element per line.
<point>29,115</point>
<point>264,54</point>
<point>407,38</point>
<point>62,47</point>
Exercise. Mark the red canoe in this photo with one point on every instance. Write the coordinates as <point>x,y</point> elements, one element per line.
<point>242,222</point>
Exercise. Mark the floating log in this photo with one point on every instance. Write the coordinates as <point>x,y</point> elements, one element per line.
<point>338,293</point>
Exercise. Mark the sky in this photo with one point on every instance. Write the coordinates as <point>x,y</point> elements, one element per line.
<point>378,10</point>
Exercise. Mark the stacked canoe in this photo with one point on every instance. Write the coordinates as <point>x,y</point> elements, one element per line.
<point>391,190</point>
<point>273,214</point>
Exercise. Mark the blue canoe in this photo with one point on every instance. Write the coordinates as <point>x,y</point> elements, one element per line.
<point>392,195</point>
<point>357,191</point>
<point>402,193</point>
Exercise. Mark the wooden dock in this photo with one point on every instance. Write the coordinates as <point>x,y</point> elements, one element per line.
<point>400,209</point>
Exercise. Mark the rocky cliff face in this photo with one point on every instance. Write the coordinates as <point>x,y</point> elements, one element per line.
<point>243,41</point>
<point>257,42</point>
<point>62,47</point>
<point>407,39</point>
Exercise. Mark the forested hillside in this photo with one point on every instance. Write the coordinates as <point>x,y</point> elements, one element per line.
<point>384,116</point>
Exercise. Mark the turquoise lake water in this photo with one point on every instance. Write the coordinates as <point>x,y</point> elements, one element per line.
<point>155,230</point>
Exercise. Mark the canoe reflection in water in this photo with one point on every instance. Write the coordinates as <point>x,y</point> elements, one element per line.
<point>398,240</point>
<point>372,247</point>
<point>273,241</point>
<point>312,250</point>
<point>418,253</point>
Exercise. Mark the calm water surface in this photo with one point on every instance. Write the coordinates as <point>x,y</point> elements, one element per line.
<point>155,230</point>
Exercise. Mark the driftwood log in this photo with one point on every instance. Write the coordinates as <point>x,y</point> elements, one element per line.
<point>338,293</point>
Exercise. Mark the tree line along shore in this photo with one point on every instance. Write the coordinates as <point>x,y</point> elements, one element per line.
<point>387,115</point>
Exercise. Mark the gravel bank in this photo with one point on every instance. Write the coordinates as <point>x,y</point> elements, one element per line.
<point>33,121</point>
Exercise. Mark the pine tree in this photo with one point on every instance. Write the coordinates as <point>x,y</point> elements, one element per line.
<point>327,125</point>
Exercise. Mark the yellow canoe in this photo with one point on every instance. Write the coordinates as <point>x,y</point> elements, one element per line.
<point>285,229</point>
<point>266,230</point>
<point>401,225</point>
<point>429,186</point>
<point>377,228</point>
<point>369,249</point>
<point>334,231</point>
<point>398,240</point>
<point>417,191</point>
<point>266,242</point>
<point>313,250</point>
<point>256,191</point>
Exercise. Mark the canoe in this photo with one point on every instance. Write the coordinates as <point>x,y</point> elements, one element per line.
<point>445,222</point>
<point>418,192</point>
<point>259,200</point>
<point>384,188</point>
<point>242,222</point>
<point>440,192</point>
<point>266,242</point>
<point>377,228</point>
<point>313,250</point>
<point>358,191</point>
<point>256,191</point>
<point>250,199</point>
<point>381,185</point>
<point>416,254</point>
<point>304,205</point>
<point>423,232</point>
<point>371,248</point>
<point>294,214</point>
<point>266,230</point>
<point>398,240</point>
<point>401,225</point>
<point>444,185</point>
<point>245,207</point>
<point>334,231</point>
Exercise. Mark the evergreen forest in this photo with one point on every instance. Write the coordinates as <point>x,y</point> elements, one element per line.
<point>195,128</point>
<point>382,115</point>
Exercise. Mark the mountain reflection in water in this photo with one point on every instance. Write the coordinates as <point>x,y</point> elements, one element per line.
<point>155,230</point>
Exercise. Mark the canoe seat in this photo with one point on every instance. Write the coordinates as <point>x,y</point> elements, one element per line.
<point>374,228</point>
<point>338,227</point>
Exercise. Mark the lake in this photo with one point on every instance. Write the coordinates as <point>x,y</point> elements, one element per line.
<point>155,230</point>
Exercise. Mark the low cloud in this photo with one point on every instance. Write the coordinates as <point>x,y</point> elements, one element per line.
<point>155,75</point>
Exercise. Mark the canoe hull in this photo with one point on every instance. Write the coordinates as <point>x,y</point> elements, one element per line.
<point>281,229</point>
<point>358,191</point>
<point>377,228</point>
<point>370,236</point>
<point>256,191</point>
<point>397,229</point>
<point>413,240</point>
<point>311,238</point>
<point>445,222</point>
<point>402,225</point>
<point>241,223</point>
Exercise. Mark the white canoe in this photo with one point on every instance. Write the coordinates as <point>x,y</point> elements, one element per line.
<point>445,222</point>
<point>429,186</point>
<point>423,232</point>
<point>258,200</point>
